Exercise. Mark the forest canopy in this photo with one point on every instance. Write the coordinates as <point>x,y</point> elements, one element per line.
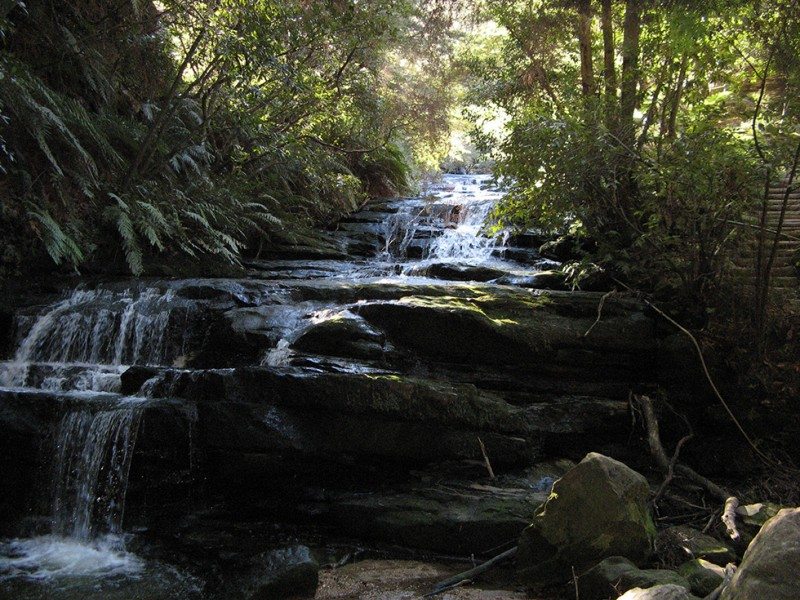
<point>183,128</point>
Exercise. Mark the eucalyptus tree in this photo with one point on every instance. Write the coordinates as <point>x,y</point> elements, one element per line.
<point>633,119</point>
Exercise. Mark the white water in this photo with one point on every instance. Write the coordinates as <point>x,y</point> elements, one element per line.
<point>49,557</point>
<point>85,341</point>
<point>93,442</point>
<point>453,217</point>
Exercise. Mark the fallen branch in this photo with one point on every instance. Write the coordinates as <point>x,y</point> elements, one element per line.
<point>486,459</point>
<point>729,517</point>
<point>730,571</point>
<point>599,311</point>
<point>459,579</point>
<point>767,460</point>
<point>660,456</point>
<point>671,469</point>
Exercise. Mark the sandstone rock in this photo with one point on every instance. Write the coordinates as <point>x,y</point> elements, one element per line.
<point>659,592</point>
<point>289,572</point>
<point>597,510</point>
<point>450,517</point>
<point>346,336</point>
<point>770,568</point>
<point>703,577</point>
<point>691,543</point>
<point>618,574</point>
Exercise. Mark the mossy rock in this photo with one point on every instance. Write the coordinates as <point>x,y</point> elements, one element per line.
<point>703,577</point>
<point>597,510</point>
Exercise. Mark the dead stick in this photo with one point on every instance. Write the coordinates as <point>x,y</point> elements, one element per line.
<point>599,311</point>
<point>486,459</point>
<point>729,517</point>
<point>657,450</point>
<point>472,573</point>
<point>730,571</point>
<point>671,470</point>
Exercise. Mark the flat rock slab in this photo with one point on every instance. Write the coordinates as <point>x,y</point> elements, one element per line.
<point>399,580</point>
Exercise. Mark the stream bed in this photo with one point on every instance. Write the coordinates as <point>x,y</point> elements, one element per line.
<point>188,438</point>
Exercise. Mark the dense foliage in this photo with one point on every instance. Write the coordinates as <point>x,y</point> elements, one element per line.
<point>188,129</point>
<point>635,120</point>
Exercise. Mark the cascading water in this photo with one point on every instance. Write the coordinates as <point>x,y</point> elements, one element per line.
<point>94,451</point>
<point>80,345</point>
<point>446,227</point>
<point>96,329</point>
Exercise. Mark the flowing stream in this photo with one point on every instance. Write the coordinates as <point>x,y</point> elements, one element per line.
<point>75,351</point>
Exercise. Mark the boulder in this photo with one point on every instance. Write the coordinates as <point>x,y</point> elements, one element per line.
<point>687,543</point>
<point>343,335</point>
<point>660,592</point>
<point>597,510</point>
<point>457,272</point>
<point>771,565</point>
<point>289,572</point>
<point>618,574</point>
<point>703,577</point>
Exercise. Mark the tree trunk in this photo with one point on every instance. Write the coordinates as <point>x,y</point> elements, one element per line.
<point>609,65</point>
<point>630,71</point>
<point>676,99</point>
<point>585,44</point>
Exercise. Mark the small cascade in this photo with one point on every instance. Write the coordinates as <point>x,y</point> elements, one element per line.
<point>82,342</point>
<point>446,226</point>
<point>94,451</point>
<point>464,240</point>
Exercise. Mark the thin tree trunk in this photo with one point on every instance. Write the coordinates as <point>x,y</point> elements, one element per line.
<point>626,130</point>
<point>609,65</point>
<point>585,44</point>
<point>630,70</point>
<point>676,99</point>
<point>155,131</point>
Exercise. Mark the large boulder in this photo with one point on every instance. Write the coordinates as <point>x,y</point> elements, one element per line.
<point>597,510</point>
<point>771,566</point>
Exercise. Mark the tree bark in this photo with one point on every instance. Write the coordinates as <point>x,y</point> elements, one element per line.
<point>584,31</point>
<point>609,65</point>
<point>676,98</point>
<point>630,70</point>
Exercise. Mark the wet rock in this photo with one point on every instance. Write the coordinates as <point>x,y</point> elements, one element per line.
<point>289,572</point>
<point>771,565</point>
<point>703,577</point>
<point>132,379</point>
<point>512,327</point>
<point>528,239</point>
<point>449,517</point>
<point>346,336</point>
<point>659,592</point>
<point>687,543</point>
<point>597,510</point>
<point>521,255</point>
<point>543,280</point>
<point>617,574</point>
<point>456,272</point>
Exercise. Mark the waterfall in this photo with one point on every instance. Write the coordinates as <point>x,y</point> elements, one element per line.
<point>94,452</point>
<point>464,241</point>
<point>449,224</point>
<point>74,341</point>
